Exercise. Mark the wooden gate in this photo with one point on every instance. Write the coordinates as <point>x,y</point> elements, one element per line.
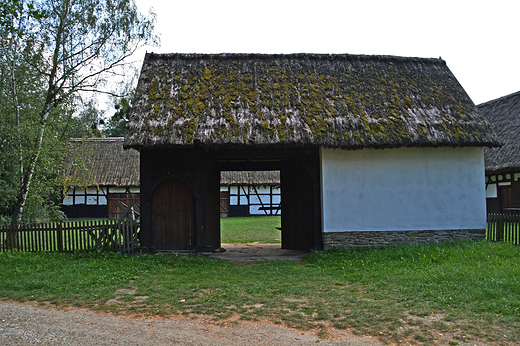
<point>119,202</point>
<point>224,203</point>
<point>173,210</point>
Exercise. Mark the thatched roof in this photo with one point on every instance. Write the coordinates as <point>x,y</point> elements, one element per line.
<point>100,161</point>
<point>504,115</point>
<point>250,178</point>
<point>338,101</point>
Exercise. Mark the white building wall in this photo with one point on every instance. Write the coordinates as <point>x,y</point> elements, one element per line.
<point>403,189</point>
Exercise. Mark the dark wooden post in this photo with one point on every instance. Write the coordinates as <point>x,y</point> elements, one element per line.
<point>59,236</point>
<point>500,228</point>
<point>207,178</point>
<point>201,231</point>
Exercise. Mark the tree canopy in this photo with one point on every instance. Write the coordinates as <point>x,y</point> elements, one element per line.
<point>52,52</point>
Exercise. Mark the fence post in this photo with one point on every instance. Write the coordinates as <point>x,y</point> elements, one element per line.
<point>500,228</point>
<point>124,233</point>
<point>516,231</point>
<point>59,237</point>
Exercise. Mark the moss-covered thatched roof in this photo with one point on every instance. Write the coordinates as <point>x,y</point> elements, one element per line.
<point>504,116</point>
<point>100,161</point>
<point>338,101</point>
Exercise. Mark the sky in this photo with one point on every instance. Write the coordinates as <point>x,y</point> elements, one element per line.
<point>479,40</point>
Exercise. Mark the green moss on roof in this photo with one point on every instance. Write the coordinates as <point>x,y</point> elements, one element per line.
<point>328,100</point>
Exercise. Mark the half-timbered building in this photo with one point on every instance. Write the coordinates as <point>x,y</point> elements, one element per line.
<point>250,193</point>
<point>503,163</point>
<point>372,150</point>
<point>99,178</point>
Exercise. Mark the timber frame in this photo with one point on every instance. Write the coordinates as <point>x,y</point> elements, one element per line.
<point>200,170</point>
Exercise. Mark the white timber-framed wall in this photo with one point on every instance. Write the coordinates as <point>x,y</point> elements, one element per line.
<point>250,200</point>
<point>438,192</point>
<point>236,200</point>
<point>93,201</point>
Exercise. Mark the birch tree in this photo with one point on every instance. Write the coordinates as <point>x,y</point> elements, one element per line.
<point>76,48</point>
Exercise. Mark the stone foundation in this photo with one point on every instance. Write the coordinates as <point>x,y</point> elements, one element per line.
<point>356,239</point>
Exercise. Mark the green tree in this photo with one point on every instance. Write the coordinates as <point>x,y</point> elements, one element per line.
<point>21,89</point>
<point>12,10</point>
<point>74,49</point>
<point>87,121</point>
<point>116,125</point>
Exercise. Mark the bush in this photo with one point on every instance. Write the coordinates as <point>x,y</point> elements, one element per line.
<point>42,213</point>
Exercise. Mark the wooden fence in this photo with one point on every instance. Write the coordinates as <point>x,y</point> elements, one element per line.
<point>107,235</point>
<point>504,228</point>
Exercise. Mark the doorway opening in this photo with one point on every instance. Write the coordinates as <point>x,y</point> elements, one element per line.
<point>282,189</point>
<point>250,210</point>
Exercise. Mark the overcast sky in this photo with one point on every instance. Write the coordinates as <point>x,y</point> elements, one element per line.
<point>479,40</point>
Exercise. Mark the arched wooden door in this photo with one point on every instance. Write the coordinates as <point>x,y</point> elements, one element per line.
<point>173,210</point>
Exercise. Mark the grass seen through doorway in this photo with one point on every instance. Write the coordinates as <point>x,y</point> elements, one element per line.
<point>262,229</point>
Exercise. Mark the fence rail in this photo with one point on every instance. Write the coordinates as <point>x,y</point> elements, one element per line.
<point>503,228</point>
<point>109,235</point>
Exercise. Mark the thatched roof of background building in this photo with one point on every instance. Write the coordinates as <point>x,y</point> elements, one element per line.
<point>100,161</point>
<point>250,178</point>
<point>338,101</point>
<point>504,115</point>
<point>104,162</point>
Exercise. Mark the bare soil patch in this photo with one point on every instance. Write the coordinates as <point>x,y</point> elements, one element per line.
<point>253,252</point>
<point>28,324</point>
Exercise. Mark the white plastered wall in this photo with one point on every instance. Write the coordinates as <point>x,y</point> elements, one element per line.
<point>403,189</point>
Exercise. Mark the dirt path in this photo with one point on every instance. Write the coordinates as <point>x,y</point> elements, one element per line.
<point>26,324</point>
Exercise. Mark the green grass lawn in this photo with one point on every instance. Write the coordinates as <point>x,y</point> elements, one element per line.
<point>261,229</point>
<point>399,294</point>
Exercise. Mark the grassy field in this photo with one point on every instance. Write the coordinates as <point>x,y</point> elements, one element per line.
<point>410,294</point>
<point>261,229</point>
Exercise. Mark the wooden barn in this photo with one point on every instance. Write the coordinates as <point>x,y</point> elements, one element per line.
<point>503,163</point>
<point>99,177</point>
<point>372,150</point>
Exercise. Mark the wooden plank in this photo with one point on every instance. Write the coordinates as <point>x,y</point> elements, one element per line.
<point>70,237</point>
<point>23,245</point>
<point>48,237</point>
<point>500,229</point>
<point>59,240</point>
<point>298,206</point>
<point>30,241</point>
<point>43,236</point>
<point>173,206</point>
<point>224,203</point>
<point>115,200</point>
<point>211,218</point>
<point>39,244</point>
